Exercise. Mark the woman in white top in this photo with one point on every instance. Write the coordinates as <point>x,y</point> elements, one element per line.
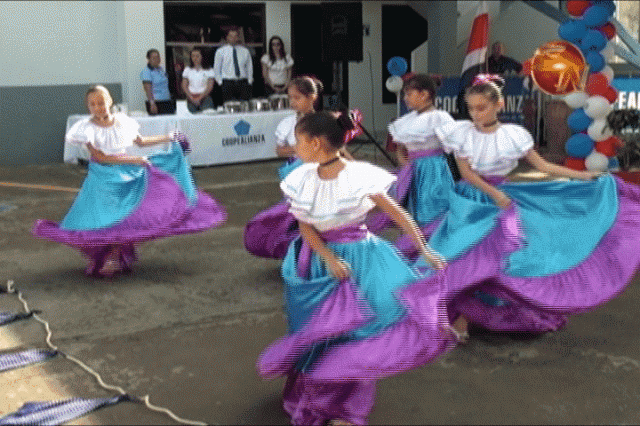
<point>276,67</point>
<point>343,286</point>
<point>126,199</point>
<point>525,255</point>
<point>197,83</point>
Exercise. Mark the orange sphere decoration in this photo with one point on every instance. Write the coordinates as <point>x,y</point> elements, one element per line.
<point>575,163</point>
<point>559,68</point>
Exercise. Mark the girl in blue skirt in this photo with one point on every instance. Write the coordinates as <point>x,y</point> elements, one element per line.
<point>550,249</point>
<point>354,309</point>
<point>424,180</point>
<point>125,199</point>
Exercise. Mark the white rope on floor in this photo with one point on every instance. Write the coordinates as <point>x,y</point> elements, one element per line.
<point>145,399</point>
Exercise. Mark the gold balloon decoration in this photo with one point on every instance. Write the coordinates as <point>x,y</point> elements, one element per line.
<point>559,68</point>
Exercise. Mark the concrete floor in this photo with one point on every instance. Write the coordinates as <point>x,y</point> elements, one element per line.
<point>187,326</point>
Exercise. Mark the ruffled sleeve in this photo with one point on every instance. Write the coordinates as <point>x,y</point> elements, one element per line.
<point>285,135</point>
<point>328,204</point>
<point>455,136</point>
<point>80,133</point>
<point>128,127</point>
<point>515,141</point>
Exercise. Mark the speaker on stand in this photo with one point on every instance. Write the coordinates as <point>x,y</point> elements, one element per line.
<point>341,43</point>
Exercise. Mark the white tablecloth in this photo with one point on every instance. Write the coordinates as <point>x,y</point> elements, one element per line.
<point>215,139</point>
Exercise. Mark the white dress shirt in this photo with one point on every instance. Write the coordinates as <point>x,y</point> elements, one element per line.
<point>223,64</point>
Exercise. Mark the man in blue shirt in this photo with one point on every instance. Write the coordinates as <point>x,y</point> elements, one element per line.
<point>156,86</point>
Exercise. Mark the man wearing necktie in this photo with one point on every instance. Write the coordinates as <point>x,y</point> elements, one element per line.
<point>233,69</point>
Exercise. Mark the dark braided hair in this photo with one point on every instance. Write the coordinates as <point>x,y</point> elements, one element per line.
<point>329,125</point>
<point>308,86</point>
<point>422,82</point>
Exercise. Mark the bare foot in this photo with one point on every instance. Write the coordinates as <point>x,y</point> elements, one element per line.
<point>461,329</point>
<point>339,422</point>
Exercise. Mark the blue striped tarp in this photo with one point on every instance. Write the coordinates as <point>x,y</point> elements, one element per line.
<point>58,412</point>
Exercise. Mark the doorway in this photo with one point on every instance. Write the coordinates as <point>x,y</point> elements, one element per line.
<point>306,50</point>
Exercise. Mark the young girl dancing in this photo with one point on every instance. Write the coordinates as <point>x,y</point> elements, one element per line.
<point>354,315</point>
<point>269,233</point>
<point>424,181</point>
<point>549,249</point>
<point>126,199</point>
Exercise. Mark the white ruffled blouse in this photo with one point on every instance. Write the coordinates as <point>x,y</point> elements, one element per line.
<point>417,130</point>
<point>111,140</point>
<point>495,153</point>
<point>338,202</point>
<point>285,131</point>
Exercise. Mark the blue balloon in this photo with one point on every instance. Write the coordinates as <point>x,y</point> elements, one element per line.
<point>614,163</point>
<point>579,145</point>
<point>572,30</point>
<point>397,65</point>
<point>596,61</point>
<point>609,4</point>
<point>596,16</point>
<point>593,40</point>
<point>579,121</point>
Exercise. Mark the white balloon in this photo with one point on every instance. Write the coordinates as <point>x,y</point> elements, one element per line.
<point>608,72</point>
<point>598,130</point>
<point>576,99</point>
<point>596,162</point>
<point>394,84</point>
<point>597,107</point>
<point>608,52</point>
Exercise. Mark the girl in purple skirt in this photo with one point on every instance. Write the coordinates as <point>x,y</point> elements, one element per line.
<point>424,180</point>
<point>126,200</point>
<point>355,311</point>
<point>525,255</point>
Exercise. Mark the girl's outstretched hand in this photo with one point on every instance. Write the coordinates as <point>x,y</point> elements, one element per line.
<point>590,175</point>
<point>339,268</point>
<point>503,201</point>
<point>435,259</point>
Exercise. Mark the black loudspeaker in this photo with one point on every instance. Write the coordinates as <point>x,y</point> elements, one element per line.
<point>341,31</point>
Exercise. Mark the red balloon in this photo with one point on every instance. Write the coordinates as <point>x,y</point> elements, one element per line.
<point>611,94</point>
<point>607,147</point>
<point>617,141</point>
<point>609,30</point>
<point>575,163</point>
<point>577,7</point>
<point>597,84</point>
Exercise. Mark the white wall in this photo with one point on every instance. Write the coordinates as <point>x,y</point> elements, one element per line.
<point>55,43</point>
<point>360,75</point>
<point>278,17</point>
<point>141,28</point>
<point>523,29</point>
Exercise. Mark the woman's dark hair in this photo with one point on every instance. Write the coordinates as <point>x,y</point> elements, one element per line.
<point>150,51</point>
<point>330,125</point>
<point>308,86</point>
<point>272,53</point>
<point>489,85</point>
<point>422,82</point>
<point>195,49</point>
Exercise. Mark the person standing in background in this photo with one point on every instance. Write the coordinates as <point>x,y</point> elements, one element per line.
<point>276,67</point>
<point>500,64</point>
<point>197,83</point>
<point>156,86</point>
<point>233,68</point>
